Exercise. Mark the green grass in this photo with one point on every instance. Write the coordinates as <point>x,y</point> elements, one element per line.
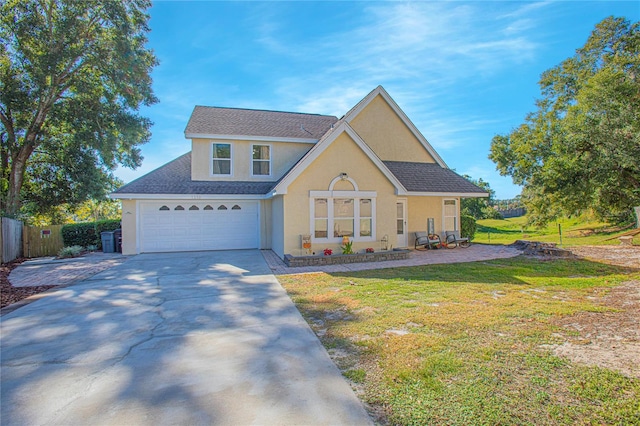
<point>575,231</point>
<point>468,343</point>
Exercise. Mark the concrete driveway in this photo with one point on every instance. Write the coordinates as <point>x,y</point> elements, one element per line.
<point>179,338</point>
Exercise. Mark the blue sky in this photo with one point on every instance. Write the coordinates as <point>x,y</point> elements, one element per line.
<point>462,71</point>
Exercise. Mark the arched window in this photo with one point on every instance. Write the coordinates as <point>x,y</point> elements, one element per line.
<point>194,207</point>
<point>222,207</point>
<point>207,207</point>
<point>236,207</point>
<point>163,208</point>
<point>179,208</point>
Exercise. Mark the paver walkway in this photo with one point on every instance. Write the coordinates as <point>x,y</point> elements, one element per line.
<point>475,253</point>
<point>52,271</point>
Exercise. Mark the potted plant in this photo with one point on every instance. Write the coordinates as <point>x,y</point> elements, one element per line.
<point>347,246</point>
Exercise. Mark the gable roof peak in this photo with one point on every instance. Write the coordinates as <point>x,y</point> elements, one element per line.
<point>379,90</point>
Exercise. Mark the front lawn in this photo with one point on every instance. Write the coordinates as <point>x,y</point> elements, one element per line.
<point>469,343</point>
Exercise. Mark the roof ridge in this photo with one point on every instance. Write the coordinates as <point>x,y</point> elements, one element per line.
<point>267,110</point>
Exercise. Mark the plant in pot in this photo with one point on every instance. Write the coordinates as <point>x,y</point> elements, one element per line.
<point>347,246</point>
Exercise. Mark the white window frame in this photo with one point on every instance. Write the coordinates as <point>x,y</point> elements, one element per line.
<point>330,196</point>
<point>456,222</point>
<point>269,160</point>
<point>211,173</point>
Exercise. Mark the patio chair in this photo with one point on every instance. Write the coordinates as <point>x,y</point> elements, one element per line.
<point>426,241</point>
<point>453,240</point>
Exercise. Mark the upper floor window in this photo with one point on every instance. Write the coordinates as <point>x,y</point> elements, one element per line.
<point>221,159</point>
<point>261,160</point>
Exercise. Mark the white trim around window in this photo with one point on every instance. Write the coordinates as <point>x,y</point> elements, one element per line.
<point>447,218</point>
<point>221,160</point>
<point>261,161</point>
<point>336,214</point>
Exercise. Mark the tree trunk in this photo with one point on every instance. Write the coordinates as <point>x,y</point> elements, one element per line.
<point>19,159</point>
<point>16,178</point>
<point>4,169</point>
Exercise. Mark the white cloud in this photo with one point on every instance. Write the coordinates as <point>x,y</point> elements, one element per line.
<point>424,48</point>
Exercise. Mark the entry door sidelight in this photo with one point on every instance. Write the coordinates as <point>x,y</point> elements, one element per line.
<point>401,223</point>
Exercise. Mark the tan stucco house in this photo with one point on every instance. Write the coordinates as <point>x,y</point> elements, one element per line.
<point>264,179</point>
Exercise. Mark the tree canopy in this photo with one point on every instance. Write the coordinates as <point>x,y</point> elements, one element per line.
<point>480,208</point>
<point>73,75</point>
<point>580,149</point>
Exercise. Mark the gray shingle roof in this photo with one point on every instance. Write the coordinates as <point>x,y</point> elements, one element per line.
<point>430,177</point>
<point>249,122</point>
<point>175,178</point>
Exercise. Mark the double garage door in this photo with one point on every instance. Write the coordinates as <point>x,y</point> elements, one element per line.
<point>192,226</point>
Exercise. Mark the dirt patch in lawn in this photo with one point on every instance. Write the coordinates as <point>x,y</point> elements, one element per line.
<point>628,256</point>
<point>607,339</point>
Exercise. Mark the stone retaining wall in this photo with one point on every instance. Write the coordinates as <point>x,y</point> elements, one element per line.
<point>541,249</point>
<point>336,259</point>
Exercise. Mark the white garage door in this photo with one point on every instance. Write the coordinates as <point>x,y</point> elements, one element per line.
<point>191,226</point>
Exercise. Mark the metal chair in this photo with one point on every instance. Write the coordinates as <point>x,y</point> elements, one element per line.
<point>453,240</point>
<point>426,241</point>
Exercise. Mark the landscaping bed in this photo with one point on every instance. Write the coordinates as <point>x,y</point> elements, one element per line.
<point>338,259</point>
<point>10,294</point>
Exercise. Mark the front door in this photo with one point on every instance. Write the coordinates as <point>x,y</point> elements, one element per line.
<point>401,223</point>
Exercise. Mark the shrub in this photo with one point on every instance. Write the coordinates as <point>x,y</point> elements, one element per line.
<point>71,251</point>
<point>467,227</point>
<point>491,213</point>
<point>87,233</point>
<point>79,234</point>
<point>107,225</point>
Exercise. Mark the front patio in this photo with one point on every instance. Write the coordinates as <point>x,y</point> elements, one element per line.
<point>475,253</point>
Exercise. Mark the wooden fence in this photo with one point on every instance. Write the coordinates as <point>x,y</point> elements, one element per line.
<point>41,241</point>
<point>10,239</point>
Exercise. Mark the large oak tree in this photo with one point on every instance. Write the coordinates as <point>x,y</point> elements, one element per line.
<point>73,75</point>
<point>580,150</point>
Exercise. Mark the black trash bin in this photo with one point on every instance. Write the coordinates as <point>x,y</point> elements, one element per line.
<point>117,240</point>
<point>108,242</point>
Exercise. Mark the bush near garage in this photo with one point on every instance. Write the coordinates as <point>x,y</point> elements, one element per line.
<point>467,227</point>
<point>88,233</point>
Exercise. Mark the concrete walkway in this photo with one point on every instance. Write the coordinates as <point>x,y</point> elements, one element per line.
<point>180,338</point>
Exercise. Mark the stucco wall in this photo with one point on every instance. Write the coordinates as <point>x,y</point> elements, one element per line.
<point>283,156</point>
<point>129,217</point>
<point>342,156</point>
<point>277,227</point>
<point>265,224</point>
<point>422,208</point>
<point>380,127</point>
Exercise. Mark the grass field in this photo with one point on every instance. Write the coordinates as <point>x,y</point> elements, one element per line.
<point>469,343</point>
<point>575,231</point>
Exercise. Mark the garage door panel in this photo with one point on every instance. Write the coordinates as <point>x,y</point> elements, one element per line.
<point>200,226</point>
